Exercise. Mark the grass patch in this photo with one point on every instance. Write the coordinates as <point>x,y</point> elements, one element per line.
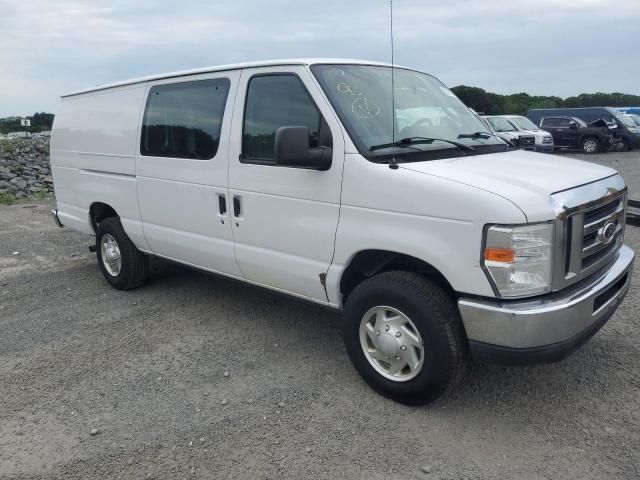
<point>7,199</point>
<point>41,195</point>
<point>8,146</point>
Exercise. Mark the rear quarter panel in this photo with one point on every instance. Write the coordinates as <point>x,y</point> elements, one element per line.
<point>93,145</point>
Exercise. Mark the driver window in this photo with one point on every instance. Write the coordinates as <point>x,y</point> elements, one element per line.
<point>275,101</point>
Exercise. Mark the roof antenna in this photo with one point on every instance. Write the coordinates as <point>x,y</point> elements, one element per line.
<point>392,164</point>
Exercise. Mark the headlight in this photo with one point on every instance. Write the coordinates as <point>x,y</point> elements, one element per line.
<point>518,259</point>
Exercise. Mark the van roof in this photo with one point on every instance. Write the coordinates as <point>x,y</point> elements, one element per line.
<point>233,66</point>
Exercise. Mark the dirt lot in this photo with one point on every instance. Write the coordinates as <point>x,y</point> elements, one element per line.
<point>146,368</point>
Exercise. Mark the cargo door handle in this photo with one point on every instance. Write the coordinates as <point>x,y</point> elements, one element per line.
<point>222,204</point>
<point>236,206</point>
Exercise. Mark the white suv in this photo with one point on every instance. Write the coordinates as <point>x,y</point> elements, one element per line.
<point>437,240</point>
<point>519,125</point>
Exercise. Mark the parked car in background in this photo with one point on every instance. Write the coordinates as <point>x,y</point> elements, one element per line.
<point>634,118</point>
<point>626,134</point>
<point>629,110</point>
<point>18,135</point>
<point>519,125</point>
<point>572,132</point>
<point>45,133</point>
<point>510,134</point>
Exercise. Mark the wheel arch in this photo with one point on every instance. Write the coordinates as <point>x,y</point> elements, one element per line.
<point>98,211</point>
<point>368,263</point>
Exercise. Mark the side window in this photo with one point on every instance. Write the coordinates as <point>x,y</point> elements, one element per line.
<point>275,101</point>
<point>555,122</point>
<point>183,120</point>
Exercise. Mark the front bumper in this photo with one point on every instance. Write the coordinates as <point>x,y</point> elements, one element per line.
<point>544,147</point>
<point>550,328</point>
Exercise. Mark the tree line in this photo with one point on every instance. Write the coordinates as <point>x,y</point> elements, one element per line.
<point>518,103</point>
<point>40,122</point>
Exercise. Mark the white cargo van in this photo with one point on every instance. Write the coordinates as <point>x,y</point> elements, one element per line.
<point>438,241</point>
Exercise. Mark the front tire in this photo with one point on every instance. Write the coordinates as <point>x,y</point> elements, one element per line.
<point>590,145</point>
<point>122,264</point>
<point>405,337</point>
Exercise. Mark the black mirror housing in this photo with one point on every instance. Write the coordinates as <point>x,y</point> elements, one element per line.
<point>292,149</point>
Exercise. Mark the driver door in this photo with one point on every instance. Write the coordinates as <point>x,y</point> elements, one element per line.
<point>284,219</point>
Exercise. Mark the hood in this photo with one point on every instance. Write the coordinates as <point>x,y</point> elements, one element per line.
<point>536,132</point>
<point>527,179</point>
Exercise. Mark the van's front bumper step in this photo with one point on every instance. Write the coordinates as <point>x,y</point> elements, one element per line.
<point>549,328</point>
<point>56,220</point>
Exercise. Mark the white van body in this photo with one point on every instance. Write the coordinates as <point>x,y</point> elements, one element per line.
<point>315,234</point>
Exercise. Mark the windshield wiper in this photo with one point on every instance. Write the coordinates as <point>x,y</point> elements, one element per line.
<point>475,135</point>
<point>408,141</point>
<point>485,136</point>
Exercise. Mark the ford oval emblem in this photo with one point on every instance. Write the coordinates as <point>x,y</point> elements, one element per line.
<point>607,232</point>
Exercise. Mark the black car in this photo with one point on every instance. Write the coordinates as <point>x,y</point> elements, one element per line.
<point>574,133</point>
<point>626,134</point>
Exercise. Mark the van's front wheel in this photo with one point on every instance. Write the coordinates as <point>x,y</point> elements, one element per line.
<point>122,264</point>
<point>404,335</point>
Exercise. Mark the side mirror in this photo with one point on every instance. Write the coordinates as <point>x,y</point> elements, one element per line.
<point>573,125</point>
<point>292,150</point>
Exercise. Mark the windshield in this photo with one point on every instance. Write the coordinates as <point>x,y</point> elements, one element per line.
<point>500,124</point>
<point>424,107</point>
<point>626,120</point>
<point>636,119</point>
<point>523,123</point>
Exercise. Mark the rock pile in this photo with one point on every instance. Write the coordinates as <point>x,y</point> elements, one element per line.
<point>24,167</point>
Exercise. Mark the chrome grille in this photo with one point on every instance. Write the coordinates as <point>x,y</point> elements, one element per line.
<point>527,141</point>
<point>595,247</point>
<point>583,246</point>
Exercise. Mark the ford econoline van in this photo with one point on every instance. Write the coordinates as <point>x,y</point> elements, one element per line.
<point>365,188</point>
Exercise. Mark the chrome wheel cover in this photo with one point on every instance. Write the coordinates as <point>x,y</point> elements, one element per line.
<point>391,343</point>
<point>110,253</point>
<point>590,146</point>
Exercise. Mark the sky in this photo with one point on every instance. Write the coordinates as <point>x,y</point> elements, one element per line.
<point>542,47</point>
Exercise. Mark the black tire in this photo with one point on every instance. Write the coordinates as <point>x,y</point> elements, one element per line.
<point>437,319</point>
<point>134,264</point>
<point>587,143</point>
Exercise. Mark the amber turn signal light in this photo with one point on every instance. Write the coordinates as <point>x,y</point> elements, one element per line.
<point>503,255</point>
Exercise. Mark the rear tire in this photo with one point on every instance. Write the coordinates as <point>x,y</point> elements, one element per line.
<point>590,145</point>
<point>122,264</point>
<point>426,313</point>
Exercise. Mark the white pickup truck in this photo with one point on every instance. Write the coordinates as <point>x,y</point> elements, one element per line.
<point>438,241</point>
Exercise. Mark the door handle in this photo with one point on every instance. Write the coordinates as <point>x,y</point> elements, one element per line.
<point>222,204</point>
<point>236,207</point>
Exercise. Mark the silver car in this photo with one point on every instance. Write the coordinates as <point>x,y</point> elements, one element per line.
<point>519,125</point>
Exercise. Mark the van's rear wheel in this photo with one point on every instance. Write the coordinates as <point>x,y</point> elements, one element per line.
<point>122,264</point>
<point>405,337</point>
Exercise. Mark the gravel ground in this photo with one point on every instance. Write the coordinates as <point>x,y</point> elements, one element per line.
<point>146,370</point>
